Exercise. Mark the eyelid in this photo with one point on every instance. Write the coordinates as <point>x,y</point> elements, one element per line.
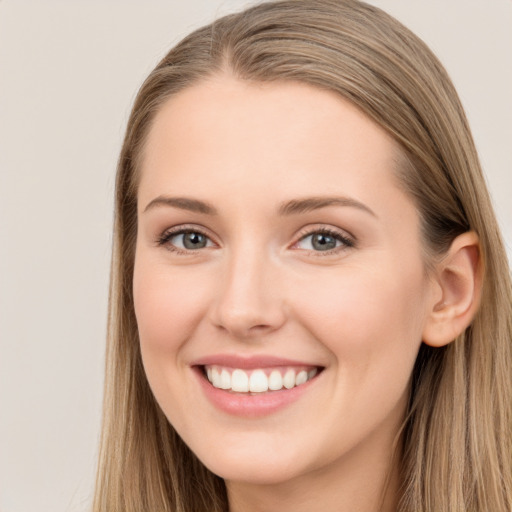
<point>164,238</point>
<point>347,240</point>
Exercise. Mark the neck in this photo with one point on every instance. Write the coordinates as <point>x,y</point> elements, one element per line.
<point>366,480</point>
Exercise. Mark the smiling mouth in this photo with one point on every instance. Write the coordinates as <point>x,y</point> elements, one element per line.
<point>258,380</point>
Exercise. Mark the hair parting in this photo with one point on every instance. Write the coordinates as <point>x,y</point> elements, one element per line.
<point>456,441</point>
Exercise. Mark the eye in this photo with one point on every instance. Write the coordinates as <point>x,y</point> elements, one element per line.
<point>323,241</point>
<point>185,240</point>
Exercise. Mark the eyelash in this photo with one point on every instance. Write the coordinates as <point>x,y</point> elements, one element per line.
<point>182,230</point>
<point>346,241</point>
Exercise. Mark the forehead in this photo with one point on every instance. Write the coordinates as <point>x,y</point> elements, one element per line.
<point>287,135</point>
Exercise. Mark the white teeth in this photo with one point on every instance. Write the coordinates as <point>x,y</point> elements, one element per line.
<point>275,381</point>
<point>239,381</point>
<point>225,380</point>
<point>256,381</point>
<point>215,378</point>
<point>301,378</point>
<point>289,379</point>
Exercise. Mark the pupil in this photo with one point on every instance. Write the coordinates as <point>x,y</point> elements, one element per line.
<point>194,240</point>
<point>323,242</point>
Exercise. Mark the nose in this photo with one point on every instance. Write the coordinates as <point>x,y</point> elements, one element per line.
<point>250,300</point>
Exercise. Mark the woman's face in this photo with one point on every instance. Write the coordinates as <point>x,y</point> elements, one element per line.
<point>276,248</point>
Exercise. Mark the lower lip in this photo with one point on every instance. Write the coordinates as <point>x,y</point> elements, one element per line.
<point>255,405</point>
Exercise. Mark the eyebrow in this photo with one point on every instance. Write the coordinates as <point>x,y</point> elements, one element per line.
<point>292,207</point>
<point>296,206</point>
<point>183,203</point>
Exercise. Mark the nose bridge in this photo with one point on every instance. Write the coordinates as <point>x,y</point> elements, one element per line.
<point>248,300</point>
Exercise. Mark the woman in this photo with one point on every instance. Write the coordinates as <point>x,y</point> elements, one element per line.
<point>310,299</point>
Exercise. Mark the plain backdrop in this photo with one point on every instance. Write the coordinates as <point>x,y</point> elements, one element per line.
<point>69,71</point>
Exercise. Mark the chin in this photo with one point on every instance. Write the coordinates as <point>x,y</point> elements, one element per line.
<point>256,474</point>
<point>255,470</point>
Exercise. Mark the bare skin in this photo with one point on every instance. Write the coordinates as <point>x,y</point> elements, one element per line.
<point>271,224</point>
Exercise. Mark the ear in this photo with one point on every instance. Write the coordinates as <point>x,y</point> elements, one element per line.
<point>457,287</point>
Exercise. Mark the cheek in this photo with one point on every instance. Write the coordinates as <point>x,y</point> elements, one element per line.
<point>366,317</point>
<point>372,325</point>
<point>167,306</point>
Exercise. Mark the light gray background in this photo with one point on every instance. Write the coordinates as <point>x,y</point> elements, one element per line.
<point>68,74</point>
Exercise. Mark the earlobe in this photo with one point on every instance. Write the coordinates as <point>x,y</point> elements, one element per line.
<point>458,283</point>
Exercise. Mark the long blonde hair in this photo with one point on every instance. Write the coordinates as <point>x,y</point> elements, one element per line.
<point>456,439</point>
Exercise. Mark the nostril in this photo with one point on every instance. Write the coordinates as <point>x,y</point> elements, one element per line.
<point>244,327</point>
<point>260,327</point>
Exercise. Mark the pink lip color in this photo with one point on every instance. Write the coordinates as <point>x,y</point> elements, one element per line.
<point>250,405</point>
<point>248,363</point>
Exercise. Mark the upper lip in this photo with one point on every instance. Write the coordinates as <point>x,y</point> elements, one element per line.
<point>248,362</point>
